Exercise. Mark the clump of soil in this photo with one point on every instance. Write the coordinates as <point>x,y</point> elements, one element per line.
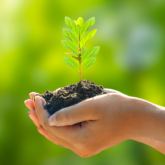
<point>70,95</point>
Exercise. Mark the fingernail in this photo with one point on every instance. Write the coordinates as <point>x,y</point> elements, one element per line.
<point>43,102</point>
<point>33,92</point>
<point>52,120</point>
<point>40,100</point>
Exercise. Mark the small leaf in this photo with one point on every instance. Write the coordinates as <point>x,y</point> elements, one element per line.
<point>80,22</point>
<point>72,25</point>
<point>75,52</point>
<point>69,45</point>
<point>70,62</point>
<point>77,58</point>
<point>75,22</point>
<point>71,36</point>
<point>90,53</point>
<point>83,50</point>
<point>71,54</point>
<point>87,37</point>
<point>88,63</point>
<point>89,23</point>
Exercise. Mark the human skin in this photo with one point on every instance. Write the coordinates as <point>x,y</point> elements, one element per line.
<point>106,120</point>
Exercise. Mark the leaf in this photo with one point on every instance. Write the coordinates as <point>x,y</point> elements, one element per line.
<point>70,62</point>
<point>71,36</point>
<point>88,63</point>
<point>75,22</point>
<point>75,56</point>
<point>87,37</point>
<point>83,50</point>
<point>71,54</point>
<point>80,22</point>
<point>72,25</point>
<point>69,45</point>
<point>75,52</point>
<point>89,23</point>
<point>90,53</point>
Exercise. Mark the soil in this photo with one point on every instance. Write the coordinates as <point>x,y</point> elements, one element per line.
<point>70,95</point>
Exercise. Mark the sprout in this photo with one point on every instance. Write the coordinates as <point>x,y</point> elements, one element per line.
<point>77,38</point>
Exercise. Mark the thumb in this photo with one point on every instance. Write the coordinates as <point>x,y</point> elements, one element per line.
<point>80,112</point>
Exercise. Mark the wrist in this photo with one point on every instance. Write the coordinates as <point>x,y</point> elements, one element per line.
<point>147,120</point>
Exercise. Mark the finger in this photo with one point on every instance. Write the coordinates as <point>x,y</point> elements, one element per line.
<point>110,90</point>
<point>42,131</point>
<point>42,116</point>
<point>42,113</point>
<point>34,118</point>
<point>29,104</point>
<point>65,133</point>
<point>56,140</point>
<point>80,112</point>
<point>32,94</point>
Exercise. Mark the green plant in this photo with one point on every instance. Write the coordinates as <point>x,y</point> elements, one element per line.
<point>77,38</point>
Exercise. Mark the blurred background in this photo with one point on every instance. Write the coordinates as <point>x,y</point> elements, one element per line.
<point>131,36</point>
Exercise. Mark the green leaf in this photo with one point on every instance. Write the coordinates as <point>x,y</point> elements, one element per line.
<point>71,54</point>
<point>75,52</point>
<point>88,63</point>
<point>75,56</point>
<point>80,22</point>
<point>72,25</point>
<point>89,23</point>
<point>87,37</point>
<point>75,22</point>
<point>70,62</point>
<point>71,36</point>
<point>90,53</point>
<point>83,50</point>
<point>69,45</point>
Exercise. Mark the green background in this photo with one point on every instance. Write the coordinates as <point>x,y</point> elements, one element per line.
<point>131,60</point>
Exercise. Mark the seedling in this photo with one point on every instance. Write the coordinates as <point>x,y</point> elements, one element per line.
<point>77,38</point>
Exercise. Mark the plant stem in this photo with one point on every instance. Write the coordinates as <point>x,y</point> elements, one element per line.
<point>79,55</point>
<point>80,70</point>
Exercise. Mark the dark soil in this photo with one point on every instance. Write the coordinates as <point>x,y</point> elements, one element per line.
<point>70,95</point>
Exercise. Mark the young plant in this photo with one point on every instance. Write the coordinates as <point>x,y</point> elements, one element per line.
<point>77,38</point>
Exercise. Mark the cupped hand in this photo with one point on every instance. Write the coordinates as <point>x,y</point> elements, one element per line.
<point>86,128</point>
<point>90,126</point>
<point>32,114</point>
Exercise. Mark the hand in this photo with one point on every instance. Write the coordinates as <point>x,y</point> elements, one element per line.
<point>32,114</point>
<point>90,126</point>
<point>101,126</point>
